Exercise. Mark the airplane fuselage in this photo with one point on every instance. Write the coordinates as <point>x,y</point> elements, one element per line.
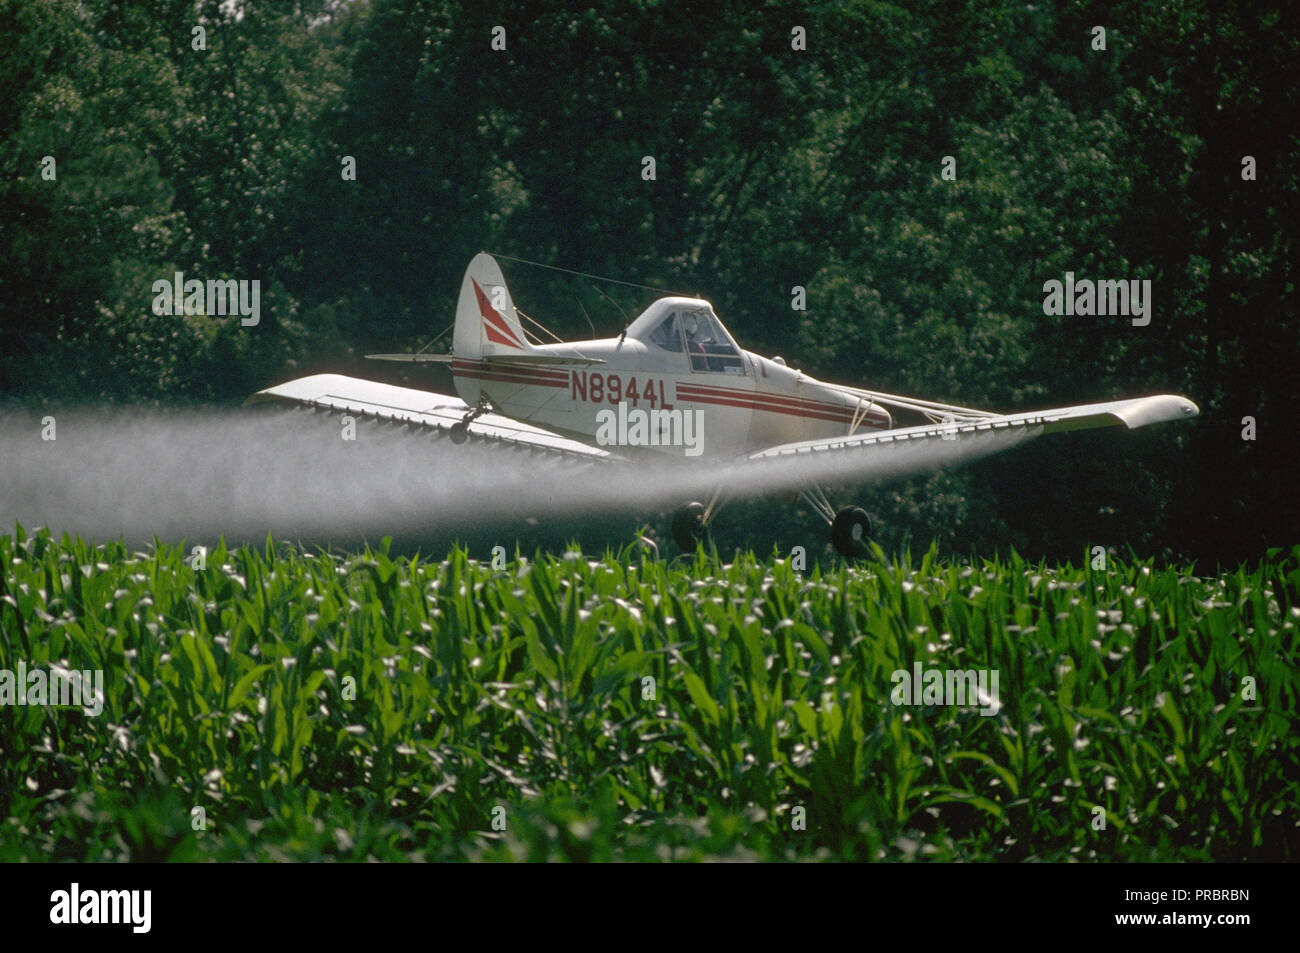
<point>737,401</point>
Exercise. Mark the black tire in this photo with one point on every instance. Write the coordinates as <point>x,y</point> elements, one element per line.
<point>688,526</point>
<point>459,433</point>
<point>850,531</point>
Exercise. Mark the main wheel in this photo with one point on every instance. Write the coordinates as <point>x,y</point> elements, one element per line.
<point>850,531</point>
<point>459,432</point>
<point>688,526</point>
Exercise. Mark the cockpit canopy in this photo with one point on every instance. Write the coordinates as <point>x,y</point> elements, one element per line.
<point>688,325</point>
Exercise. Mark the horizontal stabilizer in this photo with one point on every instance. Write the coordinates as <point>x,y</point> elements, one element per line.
<point>413,358</point>
<point>543,358</point>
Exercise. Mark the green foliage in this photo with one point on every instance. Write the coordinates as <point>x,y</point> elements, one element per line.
<point>364,706</point>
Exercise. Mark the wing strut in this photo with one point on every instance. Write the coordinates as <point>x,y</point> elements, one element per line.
<point>934,410</point>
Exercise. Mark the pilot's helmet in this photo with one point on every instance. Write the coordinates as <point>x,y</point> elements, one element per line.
<point>690,323</point>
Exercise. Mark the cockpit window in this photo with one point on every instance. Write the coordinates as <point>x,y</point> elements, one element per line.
<point>708,344</point>
<point>698,332</point>
<point>667,335</point>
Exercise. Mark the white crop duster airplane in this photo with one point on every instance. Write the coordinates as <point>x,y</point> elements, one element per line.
<point>674,382</point>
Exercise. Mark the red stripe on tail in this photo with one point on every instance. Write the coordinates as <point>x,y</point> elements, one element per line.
<point>497,330</point>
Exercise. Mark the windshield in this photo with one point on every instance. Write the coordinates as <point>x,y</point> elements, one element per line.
<point>667,335</point>
<point>697,331</point>
<point>708,344</point>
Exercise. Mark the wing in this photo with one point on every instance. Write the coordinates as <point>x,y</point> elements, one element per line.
<point>890,453</point>
<point>436,413</point>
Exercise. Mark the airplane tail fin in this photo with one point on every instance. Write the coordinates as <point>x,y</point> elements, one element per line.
<point>488,344</point>
<point>487,324</point>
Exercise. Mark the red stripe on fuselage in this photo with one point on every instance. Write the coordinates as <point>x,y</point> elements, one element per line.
<point>524,370</point>
<point>762,397</point>
<point>751,405</point>
<point>484,370</point>
<point>763,400</point>
<point>774,404</point>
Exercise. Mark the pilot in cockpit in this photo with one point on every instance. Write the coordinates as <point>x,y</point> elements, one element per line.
<point>695,340</point>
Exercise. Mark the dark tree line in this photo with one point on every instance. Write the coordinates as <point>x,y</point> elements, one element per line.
<point>775,167</point>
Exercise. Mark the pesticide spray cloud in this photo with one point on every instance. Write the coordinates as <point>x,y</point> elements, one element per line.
<point>242,474</point>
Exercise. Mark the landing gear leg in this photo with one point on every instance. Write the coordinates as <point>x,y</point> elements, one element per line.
<point>850,526</point>
<point>460,429</point>
<point>688,526</point>
<point>691,522</point>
